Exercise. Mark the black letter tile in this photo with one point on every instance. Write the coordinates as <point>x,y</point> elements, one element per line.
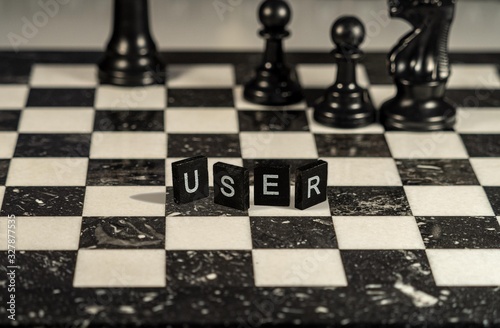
<point>272,185</point>
<point>190,179</point>
<point>231,186</point>
<point>310,184</point>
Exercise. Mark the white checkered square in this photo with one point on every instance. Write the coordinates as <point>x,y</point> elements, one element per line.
<point>298,268</point>
<point>43,233</point>
<point>137,98</point>
<point>208,233</point>
<point>122,268</point>
<point>448,201</point>
<point>414,145</point>
<point>487,170</point>
<point>467,76</point>
<point>204,120</point>
<point>8,144</point>
<point>47,172</point>
<point>124,201</point>
<point>63,76</point>
<point>200,76</point>
<point>129,145</point>
<point>13,96</point>
<point>471,120</point>
<point>61,120</point>
<point>362,172</point>
<point>465,267</point>
<point>377,232</point>
<point>275,145</point>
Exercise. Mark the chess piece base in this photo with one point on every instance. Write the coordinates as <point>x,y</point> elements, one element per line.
<point>418,108</point>
<point>345,111</point>
<point>278,88</point>
<point>130,72</point>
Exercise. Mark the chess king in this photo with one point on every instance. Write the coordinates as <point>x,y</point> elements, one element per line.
<point>420,68</point>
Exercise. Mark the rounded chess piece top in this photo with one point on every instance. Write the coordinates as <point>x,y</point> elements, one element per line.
<point>275,14</point>
<point>348,32</point>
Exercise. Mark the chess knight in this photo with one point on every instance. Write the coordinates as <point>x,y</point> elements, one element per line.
<point>420,67</point>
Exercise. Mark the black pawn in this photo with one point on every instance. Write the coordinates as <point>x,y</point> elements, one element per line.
<point>345,104</point>
<point>131,57</point>
<point>274,83</point>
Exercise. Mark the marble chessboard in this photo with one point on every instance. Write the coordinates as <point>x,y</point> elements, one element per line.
<point>410,233</point>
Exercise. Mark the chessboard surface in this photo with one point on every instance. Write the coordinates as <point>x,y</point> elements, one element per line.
<point>410,233</point>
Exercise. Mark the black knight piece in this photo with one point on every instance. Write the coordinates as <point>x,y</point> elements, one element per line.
<point>420,67</point>
<point>345,104</point>
<point>274,83</point>
<point>131,57</point>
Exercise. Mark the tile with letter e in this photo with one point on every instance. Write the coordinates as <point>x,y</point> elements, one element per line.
<point>310,184</point>
<point>272,185</point>
<point>190,179</point>
<point>231,186</point>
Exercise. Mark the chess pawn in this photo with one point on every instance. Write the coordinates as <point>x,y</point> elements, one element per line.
<point>274,84</point>
<point>131,57</point>
<point>419,65</point>
<point>345,104</point>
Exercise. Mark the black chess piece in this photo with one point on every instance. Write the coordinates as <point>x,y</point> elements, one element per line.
<point>419,65</point>
<point>345,104</point>
<point>274,83</point>
<point>131,57</point>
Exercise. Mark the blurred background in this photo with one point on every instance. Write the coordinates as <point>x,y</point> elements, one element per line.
<point>228,24</point>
